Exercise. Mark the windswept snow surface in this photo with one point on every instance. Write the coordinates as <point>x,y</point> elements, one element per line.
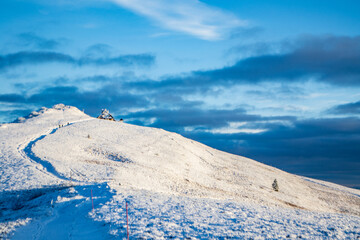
<point>175,187</point>
<point>67,217</point>
<point>161,216</point>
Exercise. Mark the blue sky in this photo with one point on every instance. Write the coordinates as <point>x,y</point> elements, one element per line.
<point>274,81</point>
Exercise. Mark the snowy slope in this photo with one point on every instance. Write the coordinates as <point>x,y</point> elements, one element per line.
<point>62,146</point>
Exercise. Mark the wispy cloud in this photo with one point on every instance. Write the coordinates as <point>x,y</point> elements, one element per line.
<point>188,16</point>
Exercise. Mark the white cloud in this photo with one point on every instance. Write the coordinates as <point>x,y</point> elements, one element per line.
<point>235,130</point>
<point>188,16</point>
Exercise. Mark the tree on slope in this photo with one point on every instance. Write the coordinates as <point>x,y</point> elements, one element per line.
<point>275,185</point>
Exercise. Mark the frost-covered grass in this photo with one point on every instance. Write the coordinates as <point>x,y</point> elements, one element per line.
<point>159,216</point>
<point>8,226</point>
<point>19,207</point>
<point>54,213</point>
<point>67,213</point>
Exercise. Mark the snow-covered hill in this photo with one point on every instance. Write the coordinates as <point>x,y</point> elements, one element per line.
<point>62,146</point>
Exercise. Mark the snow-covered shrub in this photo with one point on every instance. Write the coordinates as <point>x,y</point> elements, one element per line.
<point>275,185</point>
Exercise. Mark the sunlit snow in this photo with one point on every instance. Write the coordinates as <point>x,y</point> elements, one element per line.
<point>55,163</point>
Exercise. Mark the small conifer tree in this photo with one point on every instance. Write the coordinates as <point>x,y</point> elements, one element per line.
<point>89,136</point>
<point>275,185</point>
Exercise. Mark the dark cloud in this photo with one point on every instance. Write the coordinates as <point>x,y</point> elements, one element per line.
<point>40,57</point>
<point>122,78</point>
<point>335,60</point>
<point>310,147</point>
<point>123,60</point>
<point>331,59</point>
<point>109,96</point>
<point>177,120</point>
<point>12,98</point>
<point>22,58</point>
<point>32,40</point>
<point>348,108</point>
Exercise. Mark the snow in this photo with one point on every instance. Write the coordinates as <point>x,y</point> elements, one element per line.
<point>68,218</point>
<point>164,216</point>
<point>176,187</point>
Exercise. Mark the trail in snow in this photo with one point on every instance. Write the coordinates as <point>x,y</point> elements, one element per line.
<point>28,153</point>
<point>69,218</point>
<point>47,165</point>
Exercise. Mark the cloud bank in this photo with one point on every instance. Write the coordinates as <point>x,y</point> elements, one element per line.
<point>330,59</point>
<point>108,96</point>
